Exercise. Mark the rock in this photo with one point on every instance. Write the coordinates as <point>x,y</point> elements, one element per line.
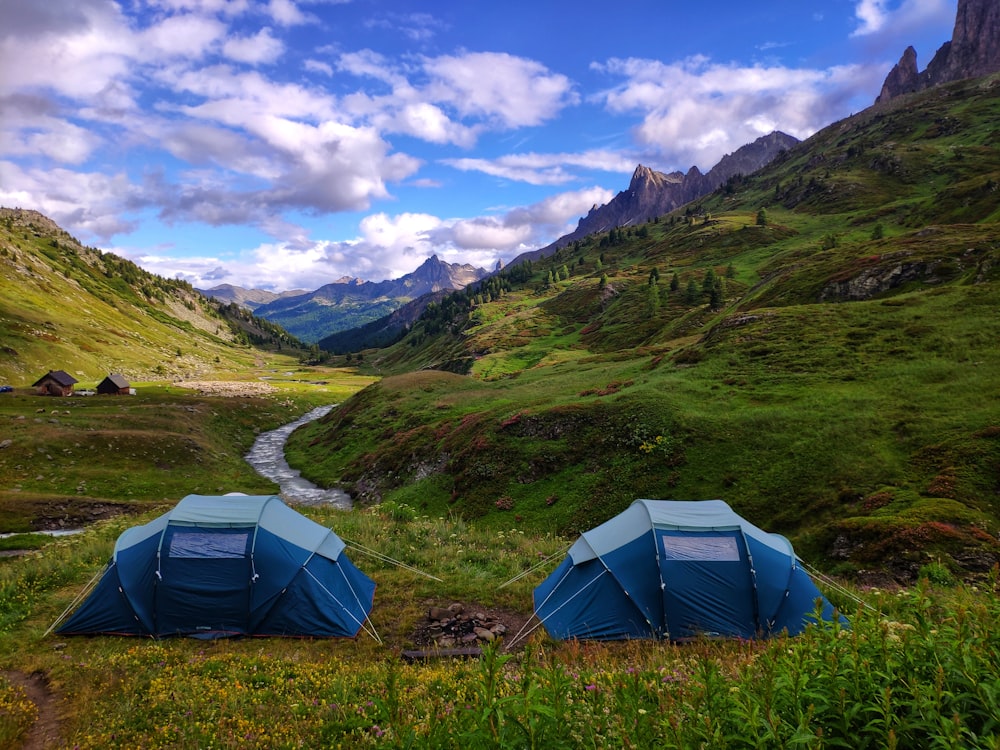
<point>438,613</point>
<point>484,635</point>
<point>6,443</point>
<point>974,51</point>
<point>904,78</point>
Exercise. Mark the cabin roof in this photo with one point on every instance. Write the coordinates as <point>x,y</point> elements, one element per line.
<point>62,377</point>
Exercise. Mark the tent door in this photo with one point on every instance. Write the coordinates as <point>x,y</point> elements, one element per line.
<point>205,582</point>
<point>707,584</point>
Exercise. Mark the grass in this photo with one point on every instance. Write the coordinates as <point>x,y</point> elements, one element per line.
<point>795,415</point>
<point>916,668</point>
<point>73,460</point>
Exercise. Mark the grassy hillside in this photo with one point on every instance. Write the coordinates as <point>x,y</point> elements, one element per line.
<point>67,307</point>
<point>815,343</point>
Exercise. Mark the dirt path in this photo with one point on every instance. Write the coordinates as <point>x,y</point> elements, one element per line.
<point>44,733</point>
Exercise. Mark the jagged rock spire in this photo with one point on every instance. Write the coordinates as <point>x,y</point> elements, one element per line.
<point>974,51</point>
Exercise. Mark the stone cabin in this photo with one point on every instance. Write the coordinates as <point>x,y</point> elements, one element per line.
<point>114,384</point>
<point>55,383</point>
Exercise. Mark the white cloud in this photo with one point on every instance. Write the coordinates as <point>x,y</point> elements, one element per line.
<point>205,7</point>
<point>262,47</point>
<point>318,66</point>
<point>85,202</point>
<point>872,14</point>
<point>889,30</point>
<point>514,91</point>
<point>522,228</point>
<point>74,51</point>
<point>876,18</point>
<point>386,247</point>
<point>428,123</point>
<point>695,111</point>
<point>286,13</point>
<point>544,169</point>
<point>418,27</point>
<point>189,37</point>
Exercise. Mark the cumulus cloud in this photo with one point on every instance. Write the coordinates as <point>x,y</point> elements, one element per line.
<point>878,17</point>
<point>262,47</point>
<point>872,15</point>
<point>287,13</point>
<point>385,247</point>
<point>521,228</point>
<point>189,103</point>
<point>90,203</point>
<point>514,91</point>
<point>695,111</point>
<point>455,98</point>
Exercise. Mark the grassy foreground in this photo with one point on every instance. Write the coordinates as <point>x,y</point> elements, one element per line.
<point>917,668</point>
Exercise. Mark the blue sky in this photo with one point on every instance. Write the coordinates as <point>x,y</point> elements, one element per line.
<point>285,144</point>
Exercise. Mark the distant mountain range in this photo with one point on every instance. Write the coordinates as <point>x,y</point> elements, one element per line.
<point>351,314</point>
<point>250,299</point>
<point>347,303</point>
<point>650,194</point>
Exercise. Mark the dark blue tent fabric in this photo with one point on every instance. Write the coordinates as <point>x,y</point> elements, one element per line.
<point>225,566</point>
<point>678,570</point>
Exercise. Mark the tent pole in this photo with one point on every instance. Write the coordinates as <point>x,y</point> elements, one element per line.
<point>837,587</point>
<point>385,558</point>
<point>372,632</point>
<point>86,589</point>
<point>534,567</point>
<point>541,620</point>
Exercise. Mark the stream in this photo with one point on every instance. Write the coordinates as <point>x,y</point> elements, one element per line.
<point>267,457</point>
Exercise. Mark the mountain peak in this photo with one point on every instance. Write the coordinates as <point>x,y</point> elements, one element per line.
<point>651,193</point>
<point>974,51</point>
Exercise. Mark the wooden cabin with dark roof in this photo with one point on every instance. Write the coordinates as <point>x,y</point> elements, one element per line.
<point>115,385</point>
<point>55,383</point>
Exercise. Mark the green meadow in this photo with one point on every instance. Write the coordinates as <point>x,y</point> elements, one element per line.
<point>916,667</point>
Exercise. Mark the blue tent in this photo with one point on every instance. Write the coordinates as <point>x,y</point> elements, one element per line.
<point>677,570</point>
<point>226,566</point>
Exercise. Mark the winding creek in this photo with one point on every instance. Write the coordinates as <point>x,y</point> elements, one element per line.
<point>267,457</point>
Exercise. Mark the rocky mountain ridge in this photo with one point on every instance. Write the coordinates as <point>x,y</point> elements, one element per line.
<point>351,303</point>
<point>974,51</point>
<point>250,299</point>
<point>651,193</point>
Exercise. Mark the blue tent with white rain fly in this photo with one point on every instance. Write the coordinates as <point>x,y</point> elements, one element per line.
<point>678,570</point>
<point>232,565</point>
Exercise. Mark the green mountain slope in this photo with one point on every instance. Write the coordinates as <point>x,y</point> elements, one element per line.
<point>815,343</point>
<point>67,307</point>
